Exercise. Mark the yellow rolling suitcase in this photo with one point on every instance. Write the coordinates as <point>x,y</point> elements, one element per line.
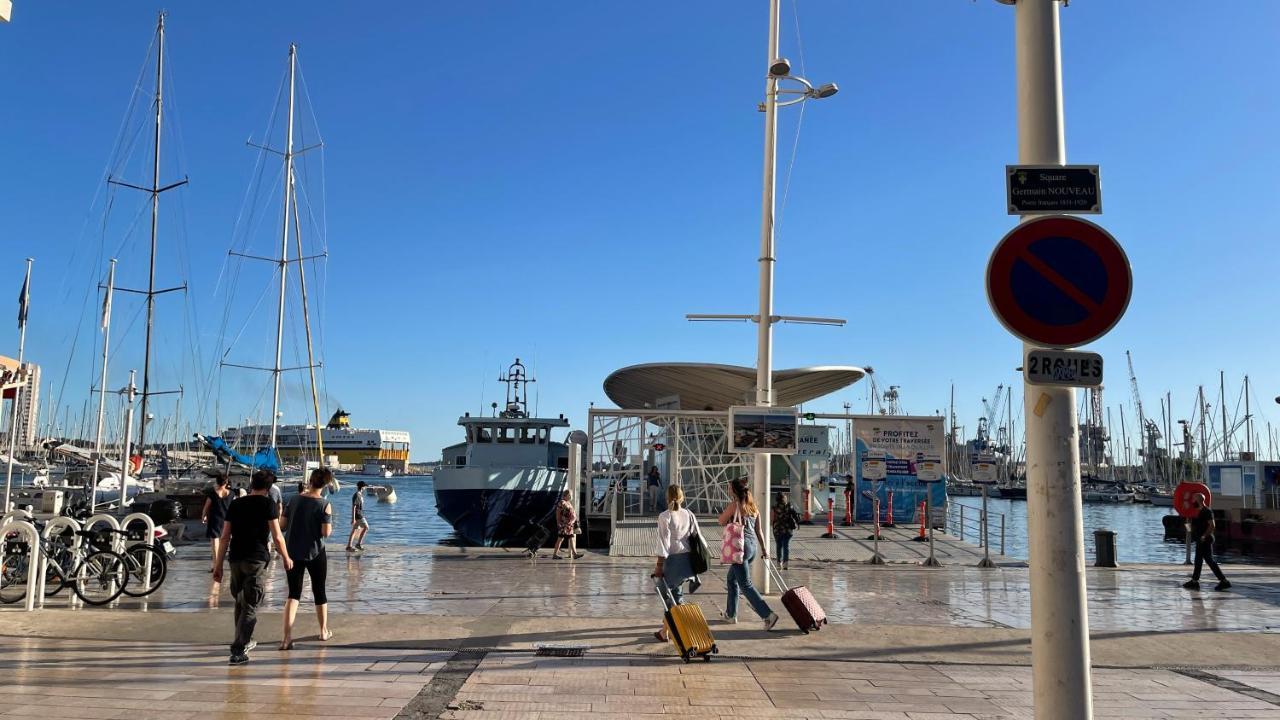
<point>687,627</point>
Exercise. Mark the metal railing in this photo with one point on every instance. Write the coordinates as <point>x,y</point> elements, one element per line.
<point>967,523</point>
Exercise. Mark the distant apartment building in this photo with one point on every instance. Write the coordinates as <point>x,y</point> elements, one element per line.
<point>28,409</point>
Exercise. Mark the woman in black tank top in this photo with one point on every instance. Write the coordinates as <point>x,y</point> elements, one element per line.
<point>307,522</point>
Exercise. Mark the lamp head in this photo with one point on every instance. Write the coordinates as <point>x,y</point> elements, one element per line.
<point>780,67</point>
<point>826,91</point>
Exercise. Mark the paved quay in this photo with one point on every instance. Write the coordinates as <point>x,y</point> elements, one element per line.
<point>452,632</point>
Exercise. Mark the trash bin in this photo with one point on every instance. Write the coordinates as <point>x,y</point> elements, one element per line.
<point>1104,543</point>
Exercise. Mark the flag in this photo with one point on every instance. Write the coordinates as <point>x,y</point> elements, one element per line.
<point>106,310</point>
<point>24,299</point>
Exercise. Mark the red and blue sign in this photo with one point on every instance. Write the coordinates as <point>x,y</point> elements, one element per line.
<point>1059,281</point>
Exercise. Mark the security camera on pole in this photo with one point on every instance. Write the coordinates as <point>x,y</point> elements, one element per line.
<point>1056,282</point>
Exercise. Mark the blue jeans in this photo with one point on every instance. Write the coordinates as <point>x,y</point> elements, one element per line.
<point>676,569</point>
<point>783,545</point>
<point>740,581</point>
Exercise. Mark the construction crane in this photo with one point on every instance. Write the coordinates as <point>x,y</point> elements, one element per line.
<point>1150,430</point>
<point>989,412</point>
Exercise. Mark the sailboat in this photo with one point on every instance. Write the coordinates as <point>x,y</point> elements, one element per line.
<point>268,456</point>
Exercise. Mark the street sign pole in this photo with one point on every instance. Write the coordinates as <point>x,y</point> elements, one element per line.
<point>1059,618</point>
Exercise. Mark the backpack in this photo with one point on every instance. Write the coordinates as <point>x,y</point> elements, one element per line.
<point>787,522</point>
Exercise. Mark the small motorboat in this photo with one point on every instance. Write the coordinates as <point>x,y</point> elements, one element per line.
<point>384,493</point>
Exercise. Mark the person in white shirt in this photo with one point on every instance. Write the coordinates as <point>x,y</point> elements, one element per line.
<point>675,525</point>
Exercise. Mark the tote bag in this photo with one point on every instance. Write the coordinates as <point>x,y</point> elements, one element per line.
<point>699,553</point>
<point>731,551</point>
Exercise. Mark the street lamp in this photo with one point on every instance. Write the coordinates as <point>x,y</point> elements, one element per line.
<point>774,96</point>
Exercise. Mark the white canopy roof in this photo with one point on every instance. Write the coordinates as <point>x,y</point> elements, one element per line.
<point>706,386</point>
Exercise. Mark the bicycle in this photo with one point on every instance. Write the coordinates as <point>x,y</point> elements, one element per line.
<point>97,575</point>
<point>136,561</point>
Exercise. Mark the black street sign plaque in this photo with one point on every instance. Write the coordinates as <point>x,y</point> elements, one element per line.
<point>1036,189</point>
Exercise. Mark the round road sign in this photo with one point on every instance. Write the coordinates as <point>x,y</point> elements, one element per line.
<point>1058,281</point>
<point>1183,494</point>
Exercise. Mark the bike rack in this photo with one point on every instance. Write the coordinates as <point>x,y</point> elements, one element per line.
<point>15,514</point>
<point>117,541</point>
<point>56,523</point>
<point>150,541</point>
<point>33,541</point>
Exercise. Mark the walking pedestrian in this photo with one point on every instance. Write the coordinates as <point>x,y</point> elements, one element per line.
<point>359,525</point>
<point>653,485</point>
<point>252,522</point>
<point>784,521</point>
<point>744,510</point>
<point>214,513</point>
<point>307,522</point>
<point>1202,527</point>
<point>566,527</point>
<point>675,525</point>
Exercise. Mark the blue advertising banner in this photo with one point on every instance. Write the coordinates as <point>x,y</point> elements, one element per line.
<point>902,441</point>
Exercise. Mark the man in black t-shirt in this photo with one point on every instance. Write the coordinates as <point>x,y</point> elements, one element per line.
<point>252,521</point>
<point>1202,527</point>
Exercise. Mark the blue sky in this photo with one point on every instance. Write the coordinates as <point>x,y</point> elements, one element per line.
<point>563,181</point>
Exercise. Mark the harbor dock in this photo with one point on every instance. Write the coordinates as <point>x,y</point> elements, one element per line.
<point>454,632</point>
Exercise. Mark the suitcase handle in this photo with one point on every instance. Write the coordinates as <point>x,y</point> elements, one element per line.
<point>777,574</point>
<point>658,585</point>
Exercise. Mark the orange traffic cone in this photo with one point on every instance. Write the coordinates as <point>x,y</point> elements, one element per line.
<point>922,537</point>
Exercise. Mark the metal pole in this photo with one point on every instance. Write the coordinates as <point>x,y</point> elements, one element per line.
<point>876,557</point>
<point>155,227</point>
<point>102,381</point>
<point>932,560</point>
<point>128,430</point>
<point>1222,393</point>
<point>284,251</point>
<point>764,324</point>
<point>17,393</point>
<point>1059,618</point>
<point>985,562</point>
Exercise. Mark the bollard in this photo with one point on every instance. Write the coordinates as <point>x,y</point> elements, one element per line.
<point>888,514</point>
<point>848,507</point>
<point>921,537</point>
<point>1104,542</point>
<point>808,498</point>
<point>831,519</point>
<point>876,557</point>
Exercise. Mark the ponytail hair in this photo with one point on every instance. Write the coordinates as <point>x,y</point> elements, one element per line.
<point>742,495</point>
<point>675,497</point>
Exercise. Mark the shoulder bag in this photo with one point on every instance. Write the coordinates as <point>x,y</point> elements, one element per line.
<point>699,553</point>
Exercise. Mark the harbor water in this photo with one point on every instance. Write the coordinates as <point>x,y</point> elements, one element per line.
<point>413,521</point>
<point>1138,526</point>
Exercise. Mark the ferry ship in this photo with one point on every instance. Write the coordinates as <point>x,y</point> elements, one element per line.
<point>350,445</point>
<point>504,480</point>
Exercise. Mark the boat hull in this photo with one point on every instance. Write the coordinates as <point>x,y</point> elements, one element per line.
<point>496,506</point>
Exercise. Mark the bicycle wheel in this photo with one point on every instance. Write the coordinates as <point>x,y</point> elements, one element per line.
<point>102,577</point>
<point>55,578</point>
<point>14,567</point>
<point>136,556</point>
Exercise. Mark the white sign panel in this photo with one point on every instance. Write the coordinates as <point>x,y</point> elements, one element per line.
<point>1070,368</point>
<point>903,441</point>
<point>984,468</point>
<point>813,443</point>
<point>929,469</point>
<point>874,467</point>
<point>763,429</point>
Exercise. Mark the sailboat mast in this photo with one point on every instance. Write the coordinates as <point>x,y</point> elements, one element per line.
<point>155,222</point>
<point>102,382</point>
<point>306,323</point>
<point>1248,419</point>
<point>284,248</point>
<point>1222,393</point>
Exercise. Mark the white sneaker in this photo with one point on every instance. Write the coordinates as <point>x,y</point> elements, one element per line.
<point>770,621</point>
<point>728,618</point>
